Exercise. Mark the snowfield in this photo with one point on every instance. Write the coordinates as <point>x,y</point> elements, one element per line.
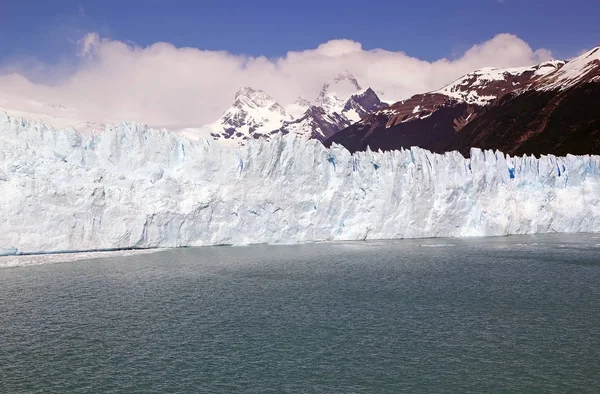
<point>135,187</point>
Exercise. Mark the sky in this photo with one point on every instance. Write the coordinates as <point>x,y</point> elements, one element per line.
<point>178,63</point>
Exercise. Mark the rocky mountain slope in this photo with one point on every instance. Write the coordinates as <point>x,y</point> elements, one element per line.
<point>548,108</point>
<point>254,114</point>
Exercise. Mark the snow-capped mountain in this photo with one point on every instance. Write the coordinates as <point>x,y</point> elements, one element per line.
<point>315,123</point>
<point>547,108</point>
<point>361,104</point>
<point>255,114</point>
<point>582,69</point>
<point>483,86</point>
<point>479,88</point>
<point>137,187</point>
<point>334,95</point>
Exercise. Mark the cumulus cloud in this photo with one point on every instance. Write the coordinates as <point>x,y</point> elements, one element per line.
<point>166,86</point>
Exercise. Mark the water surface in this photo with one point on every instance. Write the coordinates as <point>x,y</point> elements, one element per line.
<point>509,314</point>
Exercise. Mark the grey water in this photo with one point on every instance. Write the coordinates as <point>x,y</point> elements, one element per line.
<point>507,314</point>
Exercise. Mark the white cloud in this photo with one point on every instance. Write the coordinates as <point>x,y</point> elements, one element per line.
<point>88,44</point>
<point>163,85</point>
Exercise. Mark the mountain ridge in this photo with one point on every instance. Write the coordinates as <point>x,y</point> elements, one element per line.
<point>339,103</point>
<point>541,109</point>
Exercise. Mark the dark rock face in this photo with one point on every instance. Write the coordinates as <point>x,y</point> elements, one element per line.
<point>436,132</point>
<point>321,124</point>
<point>538,123</point>
<point>418,106</point>
<point>325,125</point>
<point>364,103</point>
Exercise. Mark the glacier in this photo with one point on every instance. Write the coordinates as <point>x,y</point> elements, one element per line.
<point>135,187</point>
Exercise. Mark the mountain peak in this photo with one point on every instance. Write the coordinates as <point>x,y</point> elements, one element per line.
<point>252,114</point>
<point>335,94</point>
<point>249,98</point>
<point>485,85</point>
<point>248,92</point>
<point>361,104</point>
<point>593,53</point>
<point>255,114</point>
<point>245,91</point>
<point>367,92</point>
<point>584,68</point>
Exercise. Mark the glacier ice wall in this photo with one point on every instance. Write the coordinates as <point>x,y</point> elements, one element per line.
<point>135,187</point>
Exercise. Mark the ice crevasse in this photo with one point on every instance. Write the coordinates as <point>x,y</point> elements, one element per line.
<point>131,186</point>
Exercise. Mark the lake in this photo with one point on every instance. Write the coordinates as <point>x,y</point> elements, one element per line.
<point>501,314</point>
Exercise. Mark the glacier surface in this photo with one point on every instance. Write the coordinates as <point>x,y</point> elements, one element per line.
<point>131,186</point>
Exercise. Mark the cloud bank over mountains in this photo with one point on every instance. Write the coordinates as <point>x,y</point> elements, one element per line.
<point>166,86</point>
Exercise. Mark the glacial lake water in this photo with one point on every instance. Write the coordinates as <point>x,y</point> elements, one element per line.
<point>506,314</point>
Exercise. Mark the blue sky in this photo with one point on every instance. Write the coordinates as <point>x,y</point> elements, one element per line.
<point>428,30</point>
<point>121,75</point>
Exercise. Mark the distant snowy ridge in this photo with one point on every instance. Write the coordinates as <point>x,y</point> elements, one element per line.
<point>583,68</point>
<point>256,115</point>
<point>135,187</point>
<point>485,85</point>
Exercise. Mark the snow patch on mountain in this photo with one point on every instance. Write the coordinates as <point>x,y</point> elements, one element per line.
<point>315,123</point>
<point>362,104</point>
<point>483,86</point>
<point>298,108</point>
<point>334,95</point>
<point>585,67</point>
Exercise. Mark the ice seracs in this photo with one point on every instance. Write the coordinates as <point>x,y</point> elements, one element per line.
<point>137,187</point>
